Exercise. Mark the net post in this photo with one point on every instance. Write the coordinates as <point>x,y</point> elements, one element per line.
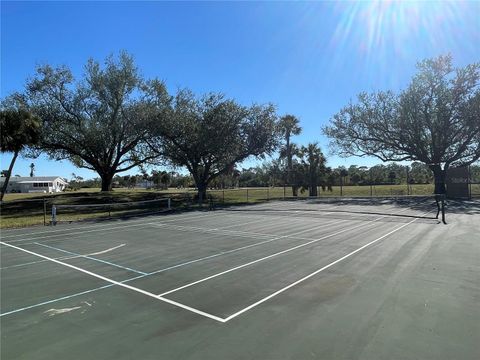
<point>54,215</point>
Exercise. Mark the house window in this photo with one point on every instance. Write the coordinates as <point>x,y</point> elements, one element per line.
<point>50,184</point>
<point>45,184</point>
<point>35,185</point>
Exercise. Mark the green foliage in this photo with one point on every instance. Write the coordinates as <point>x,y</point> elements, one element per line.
<point>209,135</point>
<point>434,121</point>
<point>288,126</point>
<point>312,168</point>
<point>98,122</point>
<point>19,129</point>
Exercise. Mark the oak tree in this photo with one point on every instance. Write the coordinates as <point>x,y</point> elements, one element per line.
<point>435,120</point>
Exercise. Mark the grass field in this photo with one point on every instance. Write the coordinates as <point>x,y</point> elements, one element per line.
<point>20,210</point>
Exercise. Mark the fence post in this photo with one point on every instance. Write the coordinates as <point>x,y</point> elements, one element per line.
<point>247,194</point>
<point>268,193</point>
<point>223,195</point>
<point>44,212</point>
<point>470,180</point>
<point>371,183</point>
<point>284,191</point>
<point>408,183</point>
<point>54,215</point>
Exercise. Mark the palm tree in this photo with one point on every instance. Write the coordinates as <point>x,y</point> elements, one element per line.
<point>289,126</point>
<point>20,129</point>
<point>313,163</point>
<point>32,169</point>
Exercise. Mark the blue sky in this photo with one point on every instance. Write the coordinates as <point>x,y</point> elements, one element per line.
<point>308,58</point>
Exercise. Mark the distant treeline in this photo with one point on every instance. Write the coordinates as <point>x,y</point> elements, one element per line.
<point>271,174</point>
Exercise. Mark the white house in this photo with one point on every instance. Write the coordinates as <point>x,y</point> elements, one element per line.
<point>43,184</point>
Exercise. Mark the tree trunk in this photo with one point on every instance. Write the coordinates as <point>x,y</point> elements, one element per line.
<point>295,190</point>
<point>202,191</point>
<point>9,173</point>
<point>313,190</point>
<point>106,181</point>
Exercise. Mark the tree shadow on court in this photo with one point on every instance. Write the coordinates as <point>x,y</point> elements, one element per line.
<point>369,206</point>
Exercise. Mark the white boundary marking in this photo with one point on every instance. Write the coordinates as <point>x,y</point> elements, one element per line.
<point>97,227</point>
<point>91,258</point>
<point>265,258</point>
<point>316,272</point>
<point>142,276</point>
<point>113,282</point>
<point>63,257</point>
<point>278,253</point>
<point>175,303</point>
<point>245,234</point>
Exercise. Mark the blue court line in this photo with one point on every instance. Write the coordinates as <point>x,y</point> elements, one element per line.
<point>147,274</point>
<point>68,296</point>
<point>92,258</point>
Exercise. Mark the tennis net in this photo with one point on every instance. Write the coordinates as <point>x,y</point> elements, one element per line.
<point>99,211</point>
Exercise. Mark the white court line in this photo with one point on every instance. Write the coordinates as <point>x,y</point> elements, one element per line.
<point>63,257</point>
<point>151,273</point>
<point>207,230</point>
<point>275,254</point>
<point>131,279</point>
<point>99,227</point>
<point>92,258</point>
<point>240,248</point>
<point>175,303</point>
<point>316,272</point>
<point>263,258</point>
<point>245,234</point>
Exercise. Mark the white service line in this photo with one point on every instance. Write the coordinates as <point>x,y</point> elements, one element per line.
<point>177,265</point>
<point>63,257</point>
<point>246,234</point>
<point>264,258</point>
<point>96,228</point>
<point>142,276</point>
<point>92,258</point>
<point>316,272</point>
<point>119,283</point>
<point>275,254</point>
<point>238,249</point>
<point>130,279</point>
<point>242,224</point>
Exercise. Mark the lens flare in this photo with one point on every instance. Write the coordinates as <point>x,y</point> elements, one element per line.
<point>383,32</point>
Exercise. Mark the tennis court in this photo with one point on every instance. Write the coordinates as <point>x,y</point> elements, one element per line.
<point>309,279</point>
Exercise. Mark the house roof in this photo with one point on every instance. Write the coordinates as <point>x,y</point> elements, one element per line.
<point>26,180</point>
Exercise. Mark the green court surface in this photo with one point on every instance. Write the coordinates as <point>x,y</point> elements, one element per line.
<point>280,280</point>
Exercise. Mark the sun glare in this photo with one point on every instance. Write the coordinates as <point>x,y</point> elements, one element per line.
<point>400,30</point>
